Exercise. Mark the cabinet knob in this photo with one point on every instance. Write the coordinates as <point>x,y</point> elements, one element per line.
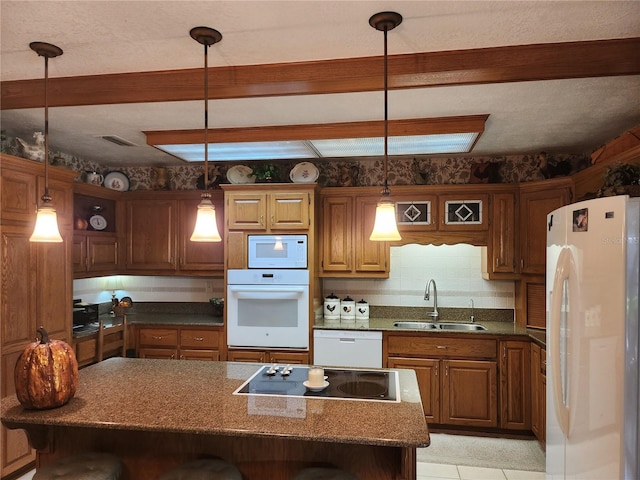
<point>441,347</point>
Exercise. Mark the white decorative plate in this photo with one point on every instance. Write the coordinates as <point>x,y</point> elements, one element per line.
<point>116,181</point>
<point>304,172</point>
<point>319,388</point>
<point>240,174</point>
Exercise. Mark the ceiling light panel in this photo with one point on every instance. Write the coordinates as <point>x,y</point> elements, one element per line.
<point>241,151</point>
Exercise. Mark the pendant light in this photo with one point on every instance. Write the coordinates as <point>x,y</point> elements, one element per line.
<point>206,229</point>
<point>384,227</point>
<point>46,228</point>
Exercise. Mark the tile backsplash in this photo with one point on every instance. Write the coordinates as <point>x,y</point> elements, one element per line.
<point>456,270</point>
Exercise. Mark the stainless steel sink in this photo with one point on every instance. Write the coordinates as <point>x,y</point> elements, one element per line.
<point>439,326</point>
<point>416,325</point>
<point>461,326</point>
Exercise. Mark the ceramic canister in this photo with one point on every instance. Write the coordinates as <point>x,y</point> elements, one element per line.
<point>362,310</point>
<point>347,309</point>
<point>331,307</point>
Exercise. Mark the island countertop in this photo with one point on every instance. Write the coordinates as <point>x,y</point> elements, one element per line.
<point>197,397</point>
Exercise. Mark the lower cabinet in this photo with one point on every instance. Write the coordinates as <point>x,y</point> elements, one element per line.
<point>268,356</point>
<point>179,343</point>
<point>515,387</point>
<point>538,392</point>
<point>457,377</point>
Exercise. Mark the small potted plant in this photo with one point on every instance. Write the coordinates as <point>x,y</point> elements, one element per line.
<point>218,306</point>
<point>621,179</point>
<point>265,172</point>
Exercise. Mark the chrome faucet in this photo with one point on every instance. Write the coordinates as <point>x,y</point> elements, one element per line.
<point>473,317</point>
<point>434,313</point>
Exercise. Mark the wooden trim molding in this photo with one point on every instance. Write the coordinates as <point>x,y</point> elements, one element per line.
<point>416,126</point>
<point>459,67</point>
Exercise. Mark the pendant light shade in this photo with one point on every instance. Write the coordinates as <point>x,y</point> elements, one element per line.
<point>46,228</point>
<point>206,229</point>
<point>384,227</point>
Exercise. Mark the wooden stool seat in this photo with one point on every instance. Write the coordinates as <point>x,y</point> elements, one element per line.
<point>205,469</point>
<point>323,473</point>
<point>85,466</point>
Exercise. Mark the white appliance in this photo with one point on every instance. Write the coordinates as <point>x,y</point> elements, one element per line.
<point>268,308</point>
<point>592,340</point>
<point>277,251</point>
<point>347,348</point>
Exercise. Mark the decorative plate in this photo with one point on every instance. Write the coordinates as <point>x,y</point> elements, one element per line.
<point>240,174</point>
<point>116,181</point>
<point>304,172</point>
<point>98,222</point>
<point>319,388</point>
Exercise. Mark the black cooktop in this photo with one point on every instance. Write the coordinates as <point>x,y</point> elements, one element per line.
<point>353,384</point>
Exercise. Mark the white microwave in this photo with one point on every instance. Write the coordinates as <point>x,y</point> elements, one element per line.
<point>277,251</point>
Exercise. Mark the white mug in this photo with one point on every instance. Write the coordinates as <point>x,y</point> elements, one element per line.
<point>94,178</point>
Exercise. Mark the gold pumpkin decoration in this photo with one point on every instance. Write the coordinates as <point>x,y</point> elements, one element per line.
<point>46,373</point>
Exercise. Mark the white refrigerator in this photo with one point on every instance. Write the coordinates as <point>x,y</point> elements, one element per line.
<point>592,340</point>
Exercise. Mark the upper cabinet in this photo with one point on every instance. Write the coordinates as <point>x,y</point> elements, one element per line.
<point>273,209</point>
<point>158,231</point>
<point>537,199</point>
<point>96,244</point>
<point>346,220</point>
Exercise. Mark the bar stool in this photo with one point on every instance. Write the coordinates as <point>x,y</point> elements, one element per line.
<point>84,466</point>
<point>323,473</point>
<point>204,469</point>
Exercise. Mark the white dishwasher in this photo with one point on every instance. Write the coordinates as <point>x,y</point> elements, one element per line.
<point>347,348</point>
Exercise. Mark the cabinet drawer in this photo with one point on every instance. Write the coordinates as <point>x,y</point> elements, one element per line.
<point>166,337</point>
<point>199,339</point>
<point>430,346</point>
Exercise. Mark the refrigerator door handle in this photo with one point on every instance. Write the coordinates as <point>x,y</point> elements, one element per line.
<point>562,274</point>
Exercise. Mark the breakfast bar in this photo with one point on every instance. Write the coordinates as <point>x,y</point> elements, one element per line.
<point>157,414</point>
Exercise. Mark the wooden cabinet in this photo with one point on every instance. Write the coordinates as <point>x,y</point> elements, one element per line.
<point>268,356</point>
<point>36,281</point>
<point>94,254</point>
<point>158,232</point>
<point>500,258</point>
<point>537,199</point>
<point>179,343</point>
<point>515,385</point>
<point>457,377</point>
<point>199,256</point>
<point>151,234</point>
<point>463,211</point>
<point>538,392</point>
<point>347,222</point>
<point>268,210</point>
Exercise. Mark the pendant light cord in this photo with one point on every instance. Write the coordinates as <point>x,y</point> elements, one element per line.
<point>206,117</point>
<point>385,190</point>
<point>46,197</point>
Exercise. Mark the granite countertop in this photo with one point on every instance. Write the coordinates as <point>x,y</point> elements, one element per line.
<point>169,396</point>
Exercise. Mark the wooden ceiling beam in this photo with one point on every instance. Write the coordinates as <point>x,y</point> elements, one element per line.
<point>460,67</point>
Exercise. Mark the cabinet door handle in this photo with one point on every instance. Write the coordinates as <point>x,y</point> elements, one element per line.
<point>446,370</point>
<point>441,347</point>
<point>437,370</point>
<point>504,351</point>
<point>181,357</point>
<point>199,339</point>
<point>158,337</point>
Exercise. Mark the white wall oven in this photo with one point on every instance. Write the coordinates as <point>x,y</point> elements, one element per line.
<point>268,308</point>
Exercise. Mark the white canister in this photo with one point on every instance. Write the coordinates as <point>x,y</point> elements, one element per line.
<point>347,309</point>
<point>331,307</point>
<point>362,310</point>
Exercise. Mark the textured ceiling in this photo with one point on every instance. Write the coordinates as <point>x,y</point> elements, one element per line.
<point>103,37</point>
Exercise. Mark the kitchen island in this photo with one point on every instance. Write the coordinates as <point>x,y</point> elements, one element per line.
<point>156,414</point>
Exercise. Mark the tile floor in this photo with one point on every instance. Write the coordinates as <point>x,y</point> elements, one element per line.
<point>439,471</point>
